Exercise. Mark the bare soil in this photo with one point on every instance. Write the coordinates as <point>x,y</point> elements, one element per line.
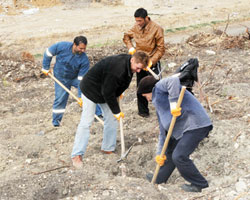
<point>35,157</point>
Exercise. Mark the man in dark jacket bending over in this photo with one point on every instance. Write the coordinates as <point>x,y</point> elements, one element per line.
<point>102,84</point>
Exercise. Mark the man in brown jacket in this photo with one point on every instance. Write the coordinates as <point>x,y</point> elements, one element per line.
<point>148,37</point>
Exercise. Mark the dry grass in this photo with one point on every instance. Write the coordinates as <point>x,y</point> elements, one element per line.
<point>45,3</point>
<point>225,41</point>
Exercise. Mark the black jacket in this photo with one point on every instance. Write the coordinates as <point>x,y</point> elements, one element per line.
<point>107,80</point>
<point>188,72</point>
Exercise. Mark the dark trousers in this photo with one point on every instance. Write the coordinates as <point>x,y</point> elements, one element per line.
<point>178,153</point>
<point>142,102</point>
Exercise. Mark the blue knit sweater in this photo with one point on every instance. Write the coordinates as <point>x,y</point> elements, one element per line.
<point>193,115</point>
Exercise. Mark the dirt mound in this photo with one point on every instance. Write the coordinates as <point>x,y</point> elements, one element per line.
<point>41,167</point>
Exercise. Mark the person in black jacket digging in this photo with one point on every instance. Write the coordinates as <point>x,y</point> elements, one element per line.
<point>102,84</point>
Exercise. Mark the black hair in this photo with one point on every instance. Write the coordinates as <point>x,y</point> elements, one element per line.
<point>80,39</point>
<point>146,85</point>
<point>141,12</point>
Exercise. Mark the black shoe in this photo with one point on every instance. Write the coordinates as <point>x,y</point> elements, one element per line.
<point>146,115</point>
<point>149,177</point>
<point>191,188</point>
<point>100,116</point>
<point>56,125</point>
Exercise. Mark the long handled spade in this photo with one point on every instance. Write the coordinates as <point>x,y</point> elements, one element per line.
<point>170,130</point>
<point>123,153</point>
<point>67,90</point>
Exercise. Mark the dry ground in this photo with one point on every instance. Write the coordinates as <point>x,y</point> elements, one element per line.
<point>35,157</point>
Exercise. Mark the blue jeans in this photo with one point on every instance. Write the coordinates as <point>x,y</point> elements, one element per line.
<point>83,129</point>
<point>61,98</point>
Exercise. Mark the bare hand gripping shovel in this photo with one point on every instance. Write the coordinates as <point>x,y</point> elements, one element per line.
<point>67,90</point>
<point>170,130</point>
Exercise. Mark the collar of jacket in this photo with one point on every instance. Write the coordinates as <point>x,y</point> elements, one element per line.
<point>130,73</point>
<point>145,28</point>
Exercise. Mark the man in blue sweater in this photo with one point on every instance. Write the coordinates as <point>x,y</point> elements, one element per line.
<point>71,65</point>
<point>191,127</point>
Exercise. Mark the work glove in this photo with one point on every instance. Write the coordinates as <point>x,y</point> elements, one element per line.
<point>80,101</point>
<point>149,65</point>
<point>131,51</point>
<point>174,110</point>
<point>45,71</point>
<point>121,96</point>
<point>160,160</point>
<point>119,115</point>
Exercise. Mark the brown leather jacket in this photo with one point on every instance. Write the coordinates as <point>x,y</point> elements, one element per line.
<point>149,39</point>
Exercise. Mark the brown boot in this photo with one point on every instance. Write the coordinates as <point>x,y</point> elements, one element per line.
<point>77,162</point>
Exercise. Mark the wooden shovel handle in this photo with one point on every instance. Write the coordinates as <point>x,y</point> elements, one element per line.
<point>67,90</point>
<point>153,74</point>
<point>170,130</point>
<point>122,137</point>
<point>63,86</point>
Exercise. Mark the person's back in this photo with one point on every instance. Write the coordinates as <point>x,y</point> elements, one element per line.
<point>111,74</point>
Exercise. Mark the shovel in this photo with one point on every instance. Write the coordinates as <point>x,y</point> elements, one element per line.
<point>123,153</point>
<point>170,130</point>
<point>67,90</point>
<point>157,77</point>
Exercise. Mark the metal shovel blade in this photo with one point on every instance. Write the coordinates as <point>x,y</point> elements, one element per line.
<point>126,153</point>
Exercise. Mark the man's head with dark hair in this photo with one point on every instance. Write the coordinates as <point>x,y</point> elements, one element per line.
<point>141,12</point>
<point>80,39</point>
<point>146,86</point>
<point>141,17</point>
<point>80,45</point>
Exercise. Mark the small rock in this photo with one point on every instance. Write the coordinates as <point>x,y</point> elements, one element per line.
<point>40,133</point>
<point>236,145</point>
<point>241,186</point>
<point>210,52</point>
<point>217,198</point>
<point>22,67</point>
<point>231,194</point>
<point>28,160</point>
<point>105,193</point>
<point>171,65</point>
<point>65,192</point>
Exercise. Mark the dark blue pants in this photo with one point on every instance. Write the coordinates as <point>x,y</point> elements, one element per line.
<point>142,102</point>
<point>61,98</point>
<point>178,153</point>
